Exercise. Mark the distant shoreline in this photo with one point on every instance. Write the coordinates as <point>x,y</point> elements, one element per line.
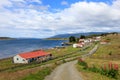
<point>6,38</point>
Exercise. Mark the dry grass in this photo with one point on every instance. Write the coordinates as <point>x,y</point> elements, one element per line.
<point>20,74</point>
<point>110,50</point>
<point>60,52</point>
<point>106,53</point>
<point>88,75</point>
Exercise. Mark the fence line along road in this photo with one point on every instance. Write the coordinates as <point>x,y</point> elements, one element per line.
<point>91,52</point>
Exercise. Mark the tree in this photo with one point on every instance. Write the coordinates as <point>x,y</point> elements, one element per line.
<point>72,39</point>
<point>82,37</point>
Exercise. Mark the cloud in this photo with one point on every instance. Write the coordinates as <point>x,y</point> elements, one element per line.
<point>64,3</point>
<point>4,3</point>
<point>79,17</point>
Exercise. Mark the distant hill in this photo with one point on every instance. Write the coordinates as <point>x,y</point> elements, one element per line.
<point>5,38</point>
<point>75,34</point>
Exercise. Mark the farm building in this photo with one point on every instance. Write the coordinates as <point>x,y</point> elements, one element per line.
<point>78,45</point>
<point>32,56</point>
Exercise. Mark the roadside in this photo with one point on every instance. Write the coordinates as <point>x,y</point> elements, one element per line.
<point>68,70</point>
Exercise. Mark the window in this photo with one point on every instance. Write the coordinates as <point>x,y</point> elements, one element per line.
<point>17,58</point>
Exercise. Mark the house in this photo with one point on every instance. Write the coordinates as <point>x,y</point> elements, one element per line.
<point>28,57</point>
<point>98,38</point>
<point>78,45</point>
<point>81,40</point>
<point>104,42</point>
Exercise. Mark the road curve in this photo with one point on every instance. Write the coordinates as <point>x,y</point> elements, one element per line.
<point>66,71</point>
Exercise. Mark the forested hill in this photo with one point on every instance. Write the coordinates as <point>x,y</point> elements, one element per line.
<point>5,38</point>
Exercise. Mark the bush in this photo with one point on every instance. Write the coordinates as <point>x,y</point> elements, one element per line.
<point>110,53</point>
<point>82,63</point>
<point>94,69</point>
<point>110,70</point>
<point>64,61</point>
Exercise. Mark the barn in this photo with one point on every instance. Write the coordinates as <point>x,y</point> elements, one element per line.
<point>29,57</point>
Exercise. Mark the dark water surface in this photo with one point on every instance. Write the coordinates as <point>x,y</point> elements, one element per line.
<point>10,48</point>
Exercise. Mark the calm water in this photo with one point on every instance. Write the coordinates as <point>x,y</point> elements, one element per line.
<point>9,48</point>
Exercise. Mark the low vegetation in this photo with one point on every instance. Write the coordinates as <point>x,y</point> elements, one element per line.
<point>104,63</point>
<point>40,75</point>
<point>26,71</point>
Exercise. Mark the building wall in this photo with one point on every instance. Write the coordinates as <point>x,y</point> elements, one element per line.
<point>18,59</point>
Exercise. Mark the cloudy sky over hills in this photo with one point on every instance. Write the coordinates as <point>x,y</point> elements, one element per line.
<point>44,18</point>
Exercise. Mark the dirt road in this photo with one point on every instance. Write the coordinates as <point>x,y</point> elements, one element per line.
<point>65,71</point>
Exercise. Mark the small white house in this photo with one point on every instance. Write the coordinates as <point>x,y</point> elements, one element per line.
<point>78,45</point>
<point>32,56</point>
<point>75,45</point>
<point>103,42</point>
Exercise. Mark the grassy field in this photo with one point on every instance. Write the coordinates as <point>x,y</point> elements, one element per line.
<point>38,75</point>
<point>110,50</point>
<point>27,71</point>
<point>7,63</point>
<point>106,53</point>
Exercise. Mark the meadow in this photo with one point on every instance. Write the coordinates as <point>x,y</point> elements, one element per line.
<point>107,56</point>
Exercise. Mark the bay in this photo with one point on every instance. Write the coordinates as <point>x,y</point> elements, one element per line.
<point>9,48</point>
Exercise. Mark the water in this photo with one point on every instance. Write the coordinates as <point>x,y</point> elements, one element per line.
<point>10,48</point>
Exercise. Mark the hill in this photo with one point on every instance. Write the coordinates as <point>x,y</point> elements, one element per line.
<point>104,63</point>
<point>5,38</point>
<point>76,34</point>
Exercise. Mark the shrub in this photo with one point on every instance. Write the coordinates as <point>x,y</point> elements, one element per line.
<point>82,63</point>
<point>110,53</point>
<point>110,70</point>
<point>94,69</point>
<point>64,61</point>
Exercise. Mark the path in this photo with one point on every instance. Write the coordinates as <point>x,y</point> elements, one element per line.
<point>66,71</point>
<point>91,52</point>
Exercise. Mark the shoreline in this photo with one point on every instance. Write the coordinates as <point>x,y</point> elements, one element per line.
<point>45,49</point>
<point>9,54</point>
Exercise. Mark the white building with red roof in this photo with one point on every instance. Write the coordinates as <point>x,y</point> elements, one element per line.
<point>32,56</point>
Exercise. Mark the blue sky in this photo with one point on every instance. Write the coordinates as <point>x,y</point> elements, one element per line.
<point>45,18</point>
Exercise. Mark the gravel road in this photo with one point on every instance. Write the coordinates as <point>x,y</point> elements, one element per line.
<point>66,71</point>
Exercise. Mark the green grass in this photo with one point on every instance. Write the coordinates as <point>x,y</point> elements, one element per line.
<point>40,75</point>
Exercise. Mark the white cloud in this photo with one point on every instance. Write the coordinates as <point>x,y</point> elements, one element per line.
<point>64,3</point>
<point>37,1</point>
<point>4,3</point>
<point>79,17</point>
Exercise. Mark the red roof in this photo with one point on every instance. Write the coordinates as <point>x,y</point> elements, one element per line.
<point>33,54</point>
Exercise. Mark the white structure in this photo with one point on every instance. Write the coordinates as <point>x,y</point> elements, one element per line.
<point>32,56</point>
<point>103,42</point>
<point>19,59</point>
<point>77,45</point>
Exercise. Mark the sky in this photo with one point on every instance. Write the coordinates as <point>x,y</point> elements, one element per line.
<point>45,18</point>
